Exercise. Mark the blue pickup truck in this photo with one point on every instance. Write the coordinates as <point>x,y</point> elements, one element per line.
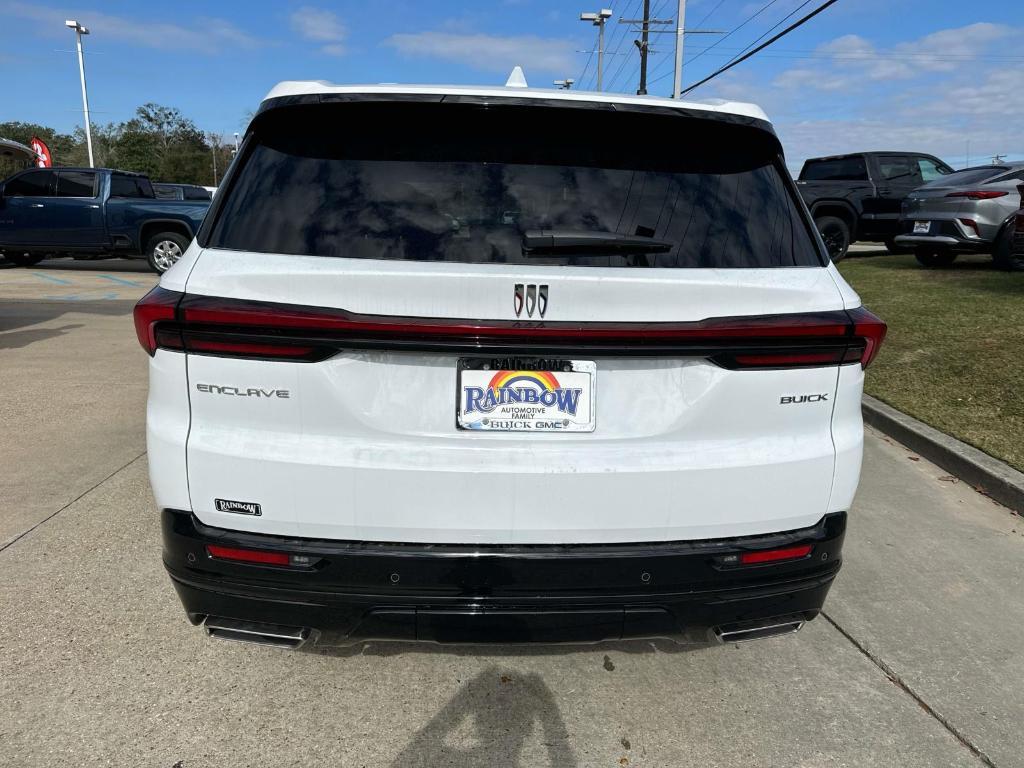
<point>93,213</point>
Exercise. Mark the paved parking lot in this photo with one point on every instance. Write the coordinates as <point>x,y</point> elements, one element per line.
<point>917,662</point>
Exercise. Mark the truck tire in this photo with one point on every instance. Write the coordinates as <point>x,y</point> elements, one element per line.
<point>24,259</point>
<point>164,249</point>
<point>836,235</point>
<point>1002,254</point>
<point>894,248</point>
<point>934,259</point>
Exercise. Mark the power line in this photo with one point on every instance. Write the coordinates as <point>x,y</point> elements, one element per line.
<point>709,13</point>
<point>751,44</point>
<point>798,23</point>
<point>619,32</point>
<point>587,65</point>
<point>625,59</point>
<point>736,29</point>
<point>700,23</point>
<point>643,44</point>
<point>774,27</point>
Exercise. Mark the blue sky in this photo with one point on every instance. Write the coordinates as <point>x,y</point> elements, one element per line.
<point>942,76</point>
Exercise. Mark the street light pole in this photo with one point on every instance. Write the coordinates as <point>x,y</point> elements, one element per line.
<point>677,77</point>
<point>79,31</point>
<point>598,20</point>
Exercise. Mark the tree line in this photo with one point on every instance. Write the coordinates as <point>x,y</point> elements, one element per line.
<point>158,141</point>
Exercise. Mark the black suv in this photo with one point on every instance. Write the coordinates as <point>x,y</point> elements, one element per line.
<point>858,196</point>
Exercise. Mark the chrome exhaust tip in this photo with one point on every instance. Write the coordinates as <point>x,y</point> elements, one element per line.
<point>744,631</point>
<point>256,632</point>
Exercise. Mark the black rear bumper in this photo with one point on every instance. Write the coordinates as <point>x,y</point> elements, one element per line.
<point>356,591</point>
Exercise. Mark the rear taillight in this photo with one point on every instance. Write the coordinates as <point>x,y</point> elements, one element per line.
<point>157,306</point>
<point>980,194</point>
<point>869,328</point>
<point>252,329</point>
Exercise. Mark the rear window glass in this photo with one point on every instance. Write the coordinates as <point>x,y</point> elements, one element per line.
<point>895,168</point>
<point>840,169</point>
<point>464,183</point>
<point>76,184</point>
<point>197,193</point>
<point>129,186</point>
<point>164,192</point>
<point>968,176</point>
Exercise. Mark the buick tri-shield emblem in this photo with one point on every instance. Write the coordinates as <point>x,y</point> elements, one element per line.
<point>532,297</point>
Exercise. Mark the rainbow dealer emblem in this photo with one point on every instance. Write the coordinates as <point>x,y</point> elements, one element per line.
<point>528,400</point>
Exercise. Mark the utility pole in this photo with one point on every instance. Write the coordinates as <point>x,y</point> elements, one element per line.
<point>677,76</point>
<point>642,44</point>
<point>215,142</point>
<point>598,18</point>
<point>79,31</point>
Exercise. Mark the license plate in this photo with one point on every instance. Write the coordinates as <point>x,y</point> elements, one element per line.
<point>547,396</point>
<point>922,227</point>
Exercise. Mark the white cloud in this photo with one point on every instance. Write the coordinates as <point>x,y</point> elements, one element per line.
<point>204,35</point>
<point>850,59</point>
<point>321,26</point>
<point>933,94</point>
<point>490,53</point>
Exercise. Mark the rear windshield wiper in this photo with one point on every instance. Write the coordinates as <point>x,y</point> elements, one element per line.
<point>537,242</point>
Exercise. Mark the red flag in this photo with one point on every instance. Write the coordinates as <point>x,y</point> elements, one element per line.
<point>44,159</point>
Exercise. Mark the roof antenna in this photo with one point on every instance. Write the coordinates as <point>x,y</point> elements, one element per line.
<point>517,79</point>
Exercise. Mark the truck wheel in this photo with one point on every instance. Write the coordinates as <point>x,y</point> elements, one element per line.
<point>836,235</point>
<point>934,259</point>
<point>24,259</point>
<point>894,248</point>
<point>1003,256</point>
<point>164,250</point>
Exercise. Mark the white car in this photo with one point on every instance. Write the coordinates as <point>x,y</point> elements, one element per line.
<point>470,364</point>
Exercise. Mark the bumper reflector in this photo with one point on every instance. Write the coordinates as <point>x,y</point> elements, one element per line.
<point>775,555</point>
<point>248,555</point>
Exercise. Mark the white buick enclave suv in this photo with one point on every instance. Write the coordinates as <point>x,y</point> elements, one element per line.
<point>500,364</point>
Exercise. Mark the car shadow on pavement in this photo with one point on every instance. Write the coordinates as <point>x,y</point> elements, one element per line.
<point>17,315</point>
<point>488,722</point>
<point>24,338</point>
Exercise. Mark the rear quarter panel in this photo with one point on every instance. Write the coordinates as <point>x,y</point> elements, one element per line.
<point>127,217</point>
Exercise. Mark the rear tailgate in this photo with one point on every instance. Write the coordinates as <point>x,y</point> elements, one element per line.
<point>356,434</point>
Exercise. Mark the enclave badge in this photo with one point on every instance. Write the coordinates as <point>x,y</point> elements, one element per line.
<point>238,507</point>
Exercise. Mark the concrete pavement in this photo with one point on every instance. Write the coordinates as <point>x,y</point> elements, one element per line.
<point>73,386</point>
<point>918,661</point>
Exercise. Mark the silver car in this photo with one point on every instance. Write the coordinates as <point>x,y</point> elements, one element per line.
<point>968,211</point>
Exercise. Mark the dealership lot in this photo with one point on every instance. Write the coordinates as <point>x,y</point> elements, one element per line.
<point>918,661</point>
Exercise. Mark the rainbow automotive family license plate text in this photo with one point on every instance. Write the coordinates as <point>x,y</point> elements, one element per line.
<point>509,395</point>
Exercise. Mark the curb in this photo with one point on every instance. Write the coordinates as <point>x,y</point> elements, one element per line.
<point>992,477</point>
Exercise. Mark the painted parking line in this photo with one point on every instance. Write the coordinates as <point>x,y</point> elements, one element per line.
<point>109,296</point>
<point>51,278</point>
<point>120,280</point>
